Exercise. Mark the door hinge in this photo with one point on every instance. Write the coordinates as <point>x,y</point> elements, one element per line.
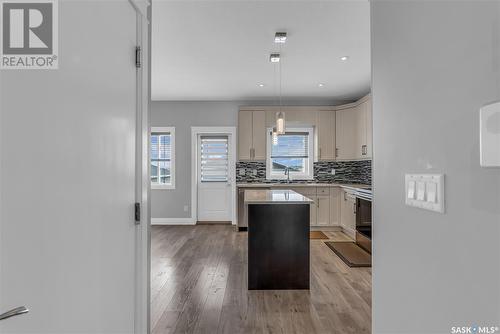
<point>137,212</point>
<point>138,56</point>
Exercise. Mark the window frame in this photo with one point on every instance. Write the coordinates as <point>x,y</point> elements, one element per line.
<point>309,174</point>
<point>170,130</point>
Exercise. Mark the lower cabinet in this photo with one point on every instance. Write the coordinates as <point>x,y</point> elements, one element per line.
<point>348,214</point>
<point>325,211</point>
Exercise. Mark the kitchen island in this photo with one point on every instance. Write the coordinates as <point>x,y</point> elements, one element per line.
<point>278,239</point>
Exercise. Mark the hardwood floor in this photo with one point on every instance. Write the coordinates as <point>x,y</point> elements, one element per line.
<point>199,285</point>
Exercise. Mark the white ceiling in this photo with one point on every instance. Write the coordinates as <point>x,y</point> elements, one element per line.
<point>219,50</point>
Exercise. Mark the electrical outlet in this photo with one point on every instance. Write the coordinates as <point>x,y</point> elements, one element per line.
<point>332,171</point>
<point>254,172</point>
<point>241,171</point>
<point>186,208</point>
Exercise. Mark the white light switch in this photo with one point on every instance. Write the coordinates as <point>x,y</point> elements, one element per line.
<point>431,192</point>
<point>420,190</point>
<point>410,193</point>
<point>425,191</point>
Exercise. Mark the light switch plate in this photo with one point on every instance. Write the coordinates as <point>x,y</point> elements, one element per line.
<point>425,191</point>
<point>490,135</point>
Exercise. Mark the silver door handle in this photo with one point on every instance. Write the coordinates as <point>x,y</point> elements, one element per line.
<point>16,311</point>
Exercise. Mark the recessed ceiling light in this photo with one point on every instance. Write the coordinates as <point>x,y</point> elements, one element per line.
<point>280,37</point>
<point>321,85</point>
<point>344,58</point>
<point>261,85</point>
<point>274,58</point>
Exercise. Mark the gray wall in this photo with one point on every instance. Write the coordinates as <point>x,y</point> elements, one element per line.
<point>434,65</point>
<point>183,115</point>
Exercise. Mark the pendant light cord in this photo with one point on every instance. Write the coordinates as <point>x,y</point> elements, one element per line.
<point>281,60</point>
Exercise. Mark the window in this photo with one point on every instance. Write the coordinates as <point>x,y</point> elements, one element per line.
<point>293,151</point>
<point>214,159</point>
<point>163,158</point>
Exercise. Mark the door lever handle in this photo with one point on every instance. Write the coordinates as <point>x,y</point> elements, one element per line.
<point>16,311</point>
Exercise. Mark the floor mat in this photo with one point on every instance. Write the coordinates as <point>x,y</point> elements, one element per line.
<point>351,253</point>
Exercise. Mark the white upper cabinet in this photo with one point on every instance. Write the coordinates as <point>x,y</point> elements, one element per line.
<point>326,134</point>
<point>354,130</point>
<point>245,135</point>
<point>346,133</point>
<point>259,134</point>
<point>251,135</point>
<point>369,128</point>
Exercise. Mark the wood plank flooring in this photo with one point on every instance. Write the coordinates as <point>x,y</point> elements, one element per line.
<point>199,285</point>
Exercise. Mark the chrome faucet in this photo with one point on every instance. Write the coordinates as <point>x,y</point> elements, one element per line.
<point>287,173</point>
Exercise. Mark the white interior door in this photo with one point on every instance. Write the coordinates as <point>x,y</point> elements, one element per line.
<point>67,179</point>
<point>214,178</point>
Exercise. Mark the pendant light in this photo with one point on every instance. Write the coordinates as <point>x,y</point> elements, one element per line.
<point>280,39</point>
<point>280,122</point>
<point>275,137</point>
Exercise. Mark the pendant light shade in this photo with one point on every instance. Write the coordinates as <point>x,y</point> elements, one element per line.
<point>275,137</point>
<point>280,123</point>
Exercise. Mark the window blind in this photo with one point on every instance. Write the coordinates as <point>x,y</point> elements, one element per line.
<point>291,145</point>
<point>214,159</point>
<point>161,150</point>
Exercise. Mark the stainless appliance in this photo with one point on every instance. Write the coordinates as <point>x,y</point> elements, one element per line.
<point>364,219</point>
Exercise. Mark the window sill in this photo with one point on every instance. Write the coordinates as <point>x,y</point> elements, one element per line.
<point>162,187</point>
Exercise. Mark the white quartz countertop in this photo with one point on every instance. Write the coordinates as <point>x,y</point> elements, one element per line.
<point>267,196</point>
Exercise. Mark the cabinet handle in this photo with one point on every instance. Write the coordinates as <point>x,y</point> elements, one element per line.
<point>354,208</point>
<point>252,153</point>
<point>345,198</point>
<point>319,153</point>
<point>336,152</point>
<point>363,150</point>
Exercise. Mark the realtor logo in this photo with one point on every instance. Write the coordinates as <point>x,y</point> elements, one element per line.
<point>29,34</point>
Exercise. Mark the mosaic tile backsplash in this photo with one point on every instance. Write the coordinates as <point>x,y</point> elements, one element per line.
<point>345,172</point>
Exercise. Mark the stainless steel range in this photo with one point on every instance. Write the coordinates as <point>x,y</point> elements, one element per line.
<point>364,218</point>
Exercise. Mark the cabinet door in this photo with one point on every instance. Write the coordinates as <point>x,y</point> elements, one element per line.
<point>347,216</point>
<point>346,130</point>
<point>344,217</point>
<point>326,135</point>
<point>323,212</point>
<point>245,134</point>
<point>360,131</point>
<point>335,197</point>
<point>314,210</point>
<point>259,134</point>
<point>369,129</point>
<point>351,225</point>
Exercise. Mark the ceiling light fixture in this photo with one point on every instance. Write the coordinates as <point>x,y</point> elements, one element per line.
<point>321,85</point>
<point>344,58</point>
<point>280,37</point>
<point>274,58</point>
<point>261,85</point>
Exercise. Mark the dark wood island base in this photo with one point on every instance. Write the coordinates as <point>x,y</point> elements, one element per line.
<point>278,246</point>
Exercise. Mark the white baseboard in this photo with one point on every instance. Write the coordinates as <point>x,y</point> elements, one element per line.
<point>173,221</point>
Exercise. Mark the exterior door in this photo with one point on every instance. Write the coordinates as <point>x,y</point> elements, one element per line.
<point>67,179</point>
<point>214,178</point>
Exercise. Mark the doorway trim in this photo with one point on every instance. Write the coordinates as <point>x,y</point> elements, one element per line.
<point>196,131</point>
